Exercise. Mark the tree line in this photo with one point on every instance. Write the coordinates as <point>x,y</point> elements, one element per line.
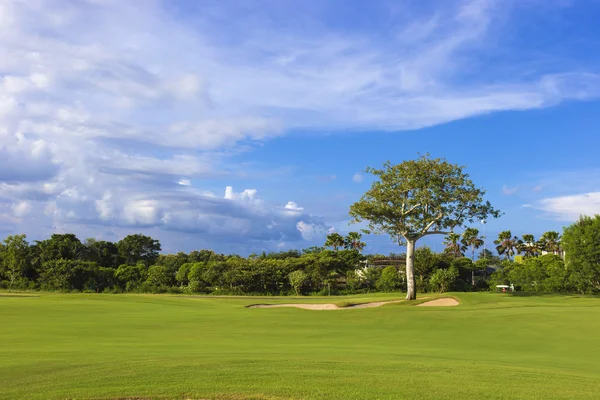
<point>134,264</point>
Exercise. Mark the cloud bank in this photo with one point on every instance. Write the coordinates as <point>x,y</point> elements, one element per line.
<point>113,113</point>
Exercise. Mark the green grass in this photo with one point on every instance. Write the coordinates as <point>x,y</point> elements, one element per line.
<point>492,346</point>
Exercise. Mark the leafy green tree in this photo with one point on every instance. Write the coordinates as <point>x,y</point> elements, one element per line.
<point>196,279</point>
<point>160,276</point>
<point>443,279</point>
<point>172,261</point>
<point>138,247</point>
<point>321,266</point>
<point>131,276</point>
<point>551,242</point>
<point>201,256</point>
<point>417,198</point>
<point>63,274</point>
<point>313,249</point>
<point>182,274</point>
<point>426,261</point>
<point>528,275</point>
<point>59,246</point>
<point>581,243</point>
<point>335,240</point>
<point>557,274</point>
<point>104,253</point>
<point>389,280</point>
<point>507,245</point>
<point>371,276</point>
<point>353,241</point>
<point>297,280</point>
<point>14,258</point>
<point>454,247</point>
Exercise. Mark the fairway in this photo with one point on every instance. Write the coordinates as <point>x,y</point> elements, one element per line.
<point>491,346</point>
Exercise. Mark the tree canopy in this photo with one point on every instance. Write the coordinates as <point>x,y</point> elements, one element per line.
<point>420,197</point>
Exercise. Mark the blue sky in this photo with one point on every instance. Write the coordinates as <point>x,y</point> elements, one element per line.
<point>246,126</point>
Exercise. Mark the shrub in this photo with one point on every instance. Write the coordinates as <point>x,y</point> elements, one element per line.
<point>297,280</point>
<point>159,275</point>
<point>443,279</point>
<point>389,280</point>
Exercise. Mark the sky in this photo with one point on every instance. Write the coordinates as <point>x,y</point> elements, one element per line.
<point>246,126</point>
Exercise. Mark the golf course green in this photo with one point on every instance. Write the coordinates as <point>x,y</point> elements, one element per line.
<point>491,346</point>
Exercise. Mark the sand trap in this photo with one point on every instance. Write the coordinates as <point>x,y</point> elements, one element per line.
<point>446,302</point>
<point>325,307</point>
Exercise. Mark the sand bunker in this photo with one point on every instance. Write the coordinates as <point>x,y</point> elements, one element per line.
<point>325,307</point>
<point>446,302</point>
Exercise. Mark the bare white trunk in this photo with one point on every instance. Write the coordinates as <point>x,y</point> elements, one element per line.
<point>411,290</point>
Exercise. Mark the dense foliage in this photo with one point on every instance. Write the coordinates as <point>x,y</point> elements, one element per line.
<point>134,264</point>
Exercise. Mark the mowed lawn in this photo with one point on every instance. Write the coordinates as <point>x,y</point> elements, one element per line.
<point>491,346</point>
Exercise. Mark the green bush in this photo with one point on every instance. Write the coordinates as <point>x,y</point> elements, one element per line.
<point>297,280</point>
<point>389,280</point>
<point>443,279</point>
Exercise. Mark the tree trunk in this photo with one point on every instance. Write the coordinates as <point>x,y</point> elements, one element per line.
<point>411,290</point>
<point>473,277</point>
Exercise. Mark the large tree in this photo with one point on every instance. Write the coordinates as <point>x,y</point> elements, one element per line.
<point>65,246</point>
<point>581,242</point>
<point>138,247</point>
<point>14,257</point>
<point>105,253</point>
<point>417,198</point>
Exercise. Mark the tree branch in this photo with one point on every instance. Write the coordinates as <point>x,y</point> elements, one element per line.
<point>436,220</point>
<point>436,233</point>
<point>413,208</point>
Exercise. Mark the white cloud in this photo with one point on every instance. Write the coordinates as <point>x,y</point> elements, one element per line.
<point>21,209</point>
<point>248,196</point>
<point>509,191</point>
<point>569,208</point>
<point>311,232</point>
<point>292,207</point>
<point>358,177</point>
<point>141,212</point>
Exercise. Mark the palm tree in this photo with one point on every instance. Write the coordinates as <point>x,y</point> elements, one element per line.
<point>453,245</point>
<point>334,240</point>
<point>471,238</point>
<point>528,246</point>
<point>352,241</point>
<point>550,242</point>
<point>506,244</point>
